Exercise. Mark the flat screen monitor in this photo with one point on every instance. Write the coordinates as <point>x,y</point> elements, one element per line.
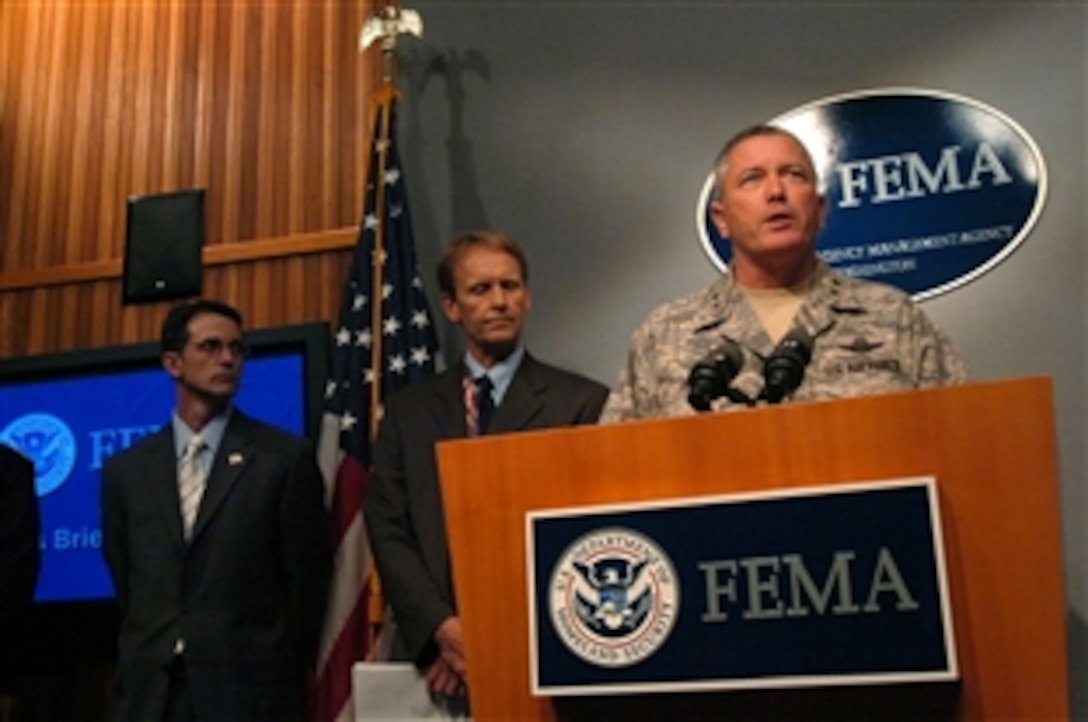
<point>68,412</point>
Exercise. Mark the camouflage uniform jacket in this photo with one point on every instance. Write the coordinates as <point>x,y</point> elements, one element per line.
<point>868,338</point>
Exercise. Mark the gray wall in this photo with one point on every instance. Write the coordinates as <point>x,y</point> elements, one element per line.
<point>586,129</point>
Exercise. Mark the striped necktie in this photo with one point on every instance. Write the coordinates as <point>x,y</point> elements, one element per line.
<point>479,406</point>
<point>191,483</point>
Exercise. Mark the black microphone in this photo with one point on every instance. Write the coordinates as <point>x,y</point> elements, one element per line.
<point>709,379</point>
<point>785,367</point>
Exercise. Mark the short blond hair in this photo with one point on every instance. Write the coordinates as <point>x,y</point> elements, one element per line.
<point>495,240</point>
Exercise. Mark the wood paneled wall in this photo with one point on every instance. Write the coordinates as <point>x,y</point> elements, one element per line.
<point>264,103</point>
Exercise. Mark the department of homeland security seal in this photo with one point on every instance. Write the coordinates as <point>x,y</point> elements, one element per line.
<point>49,443</point>
<point>614,597</point>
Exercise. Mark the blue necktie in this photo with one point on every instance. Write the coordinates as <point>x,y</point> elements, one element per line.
<point>485,405</point>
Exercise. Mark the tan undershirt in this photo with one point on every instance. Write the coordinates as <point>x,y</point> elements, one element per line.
<point>777,307</point>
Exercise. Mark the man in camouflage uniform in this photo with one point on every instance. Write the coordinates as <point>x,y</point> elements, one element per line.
<point>865,337</point>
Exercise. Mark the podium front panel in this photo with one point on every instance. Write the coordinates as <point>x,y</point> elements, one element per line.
<point>990,446</point>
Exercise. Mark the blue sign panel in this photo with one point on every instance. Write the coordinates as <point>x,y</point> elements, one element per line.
<point>69,426</point>
<point>925,190</point>
<point>822,586</point>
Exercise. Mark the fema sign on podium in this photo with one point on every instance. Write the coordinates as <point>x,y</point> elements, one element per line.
<point>837,585</point>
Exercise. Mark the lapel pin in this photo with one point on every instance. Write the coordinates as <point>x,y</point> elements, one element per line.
<point>235,459</point>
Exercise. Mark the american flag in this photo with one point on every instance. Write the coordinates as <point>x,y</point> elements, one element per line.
<point>385,339</point>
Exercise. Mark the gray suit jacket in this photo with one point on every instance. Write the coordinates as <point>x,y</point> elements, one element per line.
<point>247,594</point>
<point>403,507</point>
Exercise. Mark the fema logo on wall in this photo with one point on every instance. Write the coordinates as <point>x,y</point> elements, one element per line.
<point>613,597</point>
<point>49,443</point>
<point>925,190</point>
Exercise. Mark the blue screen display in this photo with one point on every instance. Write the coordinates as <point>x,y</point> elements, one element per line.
<point>68,424</point>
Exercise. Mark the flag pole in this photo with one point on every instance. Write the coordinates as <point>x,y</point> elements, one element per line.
<point>383,104</point>
<point>377,349</point>
<point>386,25</point>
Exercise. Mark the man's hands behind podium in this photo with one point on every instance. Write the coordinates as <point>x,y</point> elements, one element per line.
<point>446,675</point>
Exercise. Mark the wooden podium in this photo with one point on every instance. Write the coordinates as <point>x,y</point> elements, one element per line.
<point>990,446</point>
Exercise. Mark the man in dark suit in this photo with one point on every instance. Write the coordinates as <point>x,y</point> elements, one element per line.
<point>483,278</point>
<point>20,561</point>
<point>216,536</point>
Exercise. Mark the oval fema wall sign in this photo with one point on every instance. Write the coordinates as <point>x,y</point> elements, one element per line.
<point>925,190</point>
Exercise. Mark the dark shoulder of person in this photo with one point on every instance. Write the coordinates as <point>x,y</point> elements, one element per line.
<point>20,522</point>
<point>15,466</point>
<point>576,380</point>
<point>137,449</point>
<point>20,553</point>
<point>273,438</point>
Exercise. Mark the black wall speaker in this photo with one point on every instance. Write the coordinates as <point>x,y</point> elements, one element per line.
<point>165,233</point>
